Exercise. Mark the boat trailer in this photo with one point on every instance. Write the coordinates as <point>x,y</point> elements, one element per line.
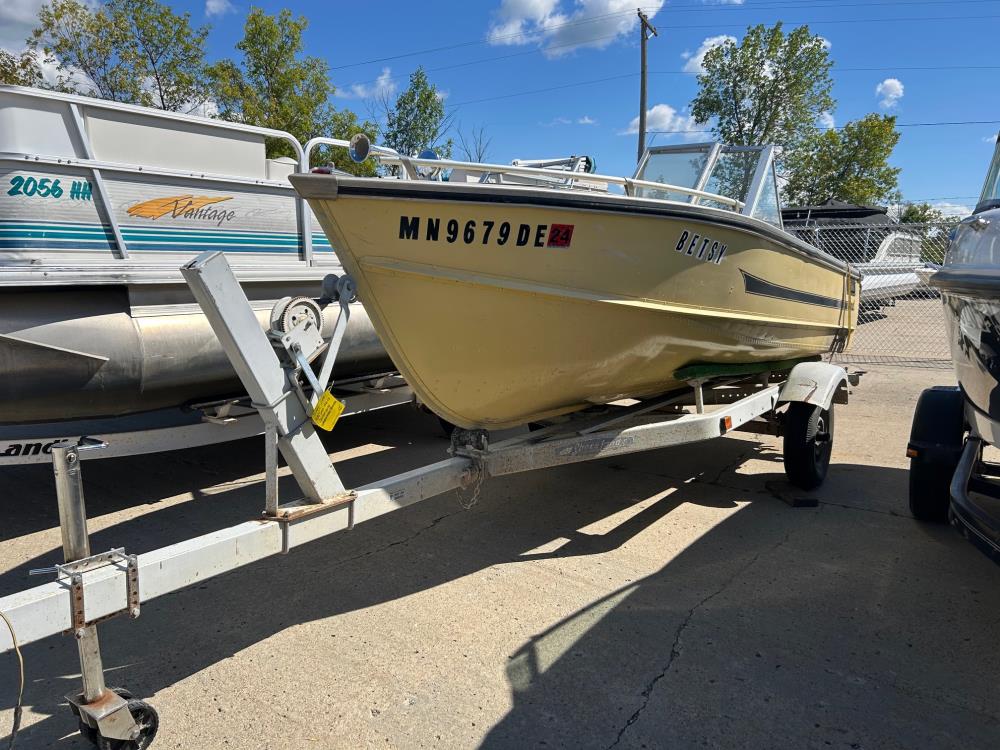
<point>286,373</point>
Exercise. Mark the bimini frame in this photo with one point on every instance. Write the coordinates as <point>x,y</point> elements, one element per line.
<point>276,371</point>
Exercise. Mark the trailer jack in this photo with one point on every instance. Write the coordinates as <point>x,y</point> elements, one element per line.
<point>111,718</point>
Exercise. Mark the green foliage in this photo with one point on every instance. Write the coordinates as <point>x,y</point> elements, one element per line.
<point>933,233</point>
<point>19,70</point>
<point>275,86</point>
<point>418,120</point>
<point>850,164</point>
<point>770,88</point>
<point>167,53</point>
<point>87,46</point>
<point>920,213</point>
<point>133,51</point>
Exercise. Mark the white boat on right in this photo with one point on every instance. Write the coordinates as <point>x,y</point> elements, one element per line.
<point>888,255</point>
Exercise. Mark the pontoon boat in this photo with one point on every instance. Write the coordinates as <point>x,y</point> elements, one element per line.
<point>100,204</point>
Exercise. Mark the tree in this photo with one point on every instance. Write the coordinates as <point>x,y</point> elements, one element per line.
<point>87,47</point>
<point>133,51</point>
<point>19,70</point>
<point>932,225</point>
<point>417,120</point>
<point>169,54</point>
<point>276,86</point>
<point>475,144</point>
<point>770,88</point>
<point>850,164</point>
<point>920,213</point>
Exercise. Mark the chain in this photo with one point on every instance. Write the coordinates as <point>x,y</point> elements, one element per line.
<point>468,501</point>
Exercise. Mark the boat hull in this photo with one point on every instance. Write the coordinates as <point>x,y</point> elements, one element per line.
<point>82,352</point>
<point>969,282</point>
<point>973,326</point>
<point>577,302</point>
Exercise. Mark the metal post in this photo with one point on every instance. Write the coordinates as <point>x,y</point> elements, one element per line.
<point>232,319</point>
<point>76,546</point>
<point>645,28</point>
<point>271,469</point>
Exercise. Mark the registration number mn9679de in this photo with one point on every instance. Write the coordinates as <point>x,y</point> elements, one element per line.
<point>484,232</point>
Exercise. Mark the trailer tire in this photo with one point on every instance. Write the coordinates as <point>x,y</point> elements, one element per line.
<point>148,721</point>
<point>937,435</point>
<point>808,444</point>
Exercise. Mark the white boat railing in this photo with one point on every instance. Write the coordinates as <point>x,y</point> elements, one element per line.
<point>409,165</point>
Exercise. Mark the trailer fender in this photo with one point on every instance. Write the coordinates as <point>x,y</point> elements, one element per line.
<point>816,383</point>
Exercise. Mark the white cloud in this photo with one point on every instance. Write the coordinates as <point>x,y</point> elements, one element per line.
<point>825,43</point>
<point>890,91</point>
<point>696,60</point>
<point>557,121</point>
<point>952,209</point>
<point>990,138</point>
<point>663,117</point>
<point>825,120</point>
<point>384,85</point>
<point>218,7</point>
<point>17,19</point>
<point>561,26</point>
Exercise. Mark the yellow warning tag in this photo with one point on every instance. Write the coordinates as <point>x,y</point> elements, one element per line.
<point>327,412</point>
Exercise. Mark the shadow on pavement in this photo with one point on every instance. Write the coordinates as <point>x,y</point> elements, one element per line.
<point>776,624</point>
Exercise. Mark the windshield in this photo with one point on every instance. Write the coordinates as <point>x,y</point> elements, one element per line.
<point>991,190</point>
<point>681,167</point>
<point>744,173</point>
<point>732,175</point>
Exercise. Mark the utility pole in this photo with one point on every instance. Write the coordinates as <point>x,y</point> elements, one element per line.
<point>645,30</point>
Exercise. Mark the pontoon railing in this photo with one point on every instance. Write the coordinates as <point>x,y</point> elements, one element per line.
<point>303,154</point>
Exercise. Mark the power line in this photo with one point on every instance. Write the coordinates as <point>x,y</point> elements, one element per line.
<point>592,81</point>
<point>680,71</point>
<point>841,127</point>
<point>577,43</point>
<point>686,8</point>
<point>471,43</point>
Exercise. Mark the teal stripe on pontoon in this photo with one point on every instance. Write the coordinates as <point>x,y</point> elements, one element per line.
<point>33,235</point>
<point>49,234</point>
<point>36,230</point>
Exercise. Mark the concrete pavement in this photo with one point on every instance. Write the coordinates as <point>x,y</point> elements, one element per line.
<point>669,599</point>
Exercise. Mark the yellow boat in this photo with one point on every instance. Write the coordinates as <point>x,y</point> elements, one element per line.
<point>531,293</point>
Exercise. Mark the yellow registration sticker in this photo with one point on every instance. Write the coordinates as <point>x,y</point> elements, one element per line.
<point>327,412</point>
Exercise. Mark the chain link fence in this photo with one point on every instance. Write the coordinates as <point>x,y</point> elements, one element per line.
<point>900,321</point>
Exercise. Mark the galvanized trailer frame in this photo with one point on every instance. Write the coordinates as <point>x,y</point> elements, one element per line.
<point>277,373</point>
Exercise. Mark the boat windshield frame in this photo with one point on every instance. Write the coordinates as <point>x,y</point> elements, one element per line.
<point>750,201</point>
<point>990,196</point>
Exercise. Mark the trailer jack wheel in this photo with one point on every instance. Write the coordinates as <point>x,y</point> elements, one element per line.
<point>147,722</point>
<point>88,732</point>
<point>808,444</point>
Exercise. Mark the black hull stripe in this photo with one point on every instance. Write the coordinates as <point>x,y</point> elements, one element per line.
<point>761,288</point>
<point>306,183</point>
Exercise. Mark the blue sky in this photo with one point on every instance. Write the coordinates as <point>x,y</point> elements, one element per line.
<point>509,47</point>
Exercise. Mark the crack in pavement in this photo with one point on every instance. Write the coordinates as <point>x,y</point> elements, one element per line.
<point>398,542</point>
<point>678,634</point>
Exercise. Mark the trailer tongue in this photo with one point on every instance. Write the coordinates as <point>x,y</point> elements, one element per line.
<point>287,374</point>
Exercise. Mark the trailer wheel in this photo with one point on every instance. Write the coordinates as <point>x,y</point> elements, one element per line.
<point>808,444</point>
<point>148,721</point>
<point>936,438</point>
